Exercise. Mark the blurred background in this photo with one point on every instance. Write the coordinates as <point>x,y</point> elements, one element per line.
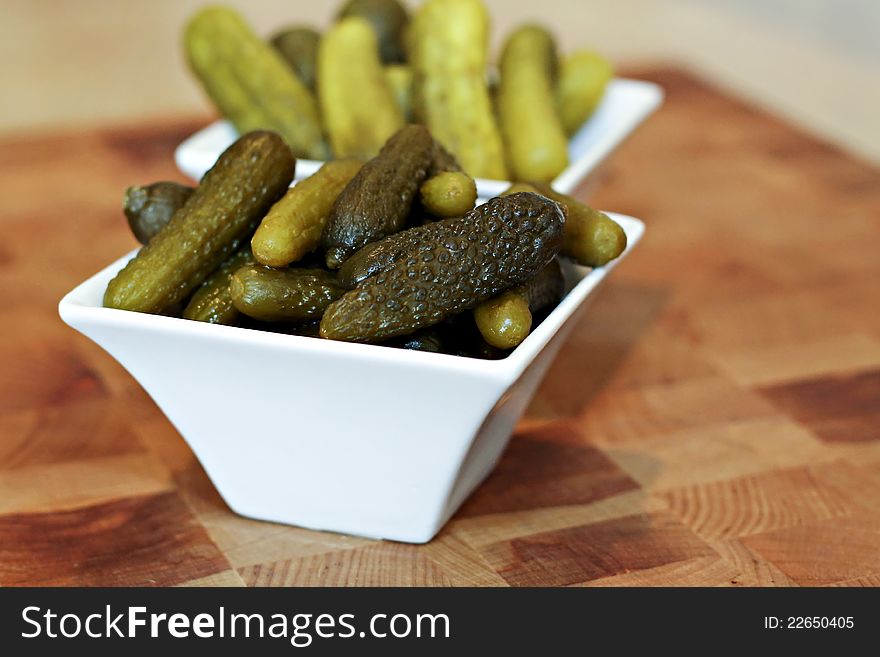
<point>814,62</point>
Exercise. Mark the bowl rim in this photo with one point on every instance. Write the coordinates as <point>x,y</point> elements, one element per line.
<point>76,310</point>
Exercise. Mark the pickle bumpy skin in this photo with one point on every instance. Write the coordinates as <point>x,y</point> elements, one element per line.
<point>450,266</point>
<point>233,196</point>
<point>276,295</point>
<point>378,199</point>
<point>293,226</point>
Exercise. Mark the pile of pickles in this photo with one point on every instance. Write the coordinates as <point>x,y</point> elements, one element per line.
<point>391,250</point>
<point>344,93</point>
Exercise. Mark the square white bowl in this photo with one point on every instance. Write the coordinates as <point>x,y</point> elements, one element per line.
<point>625,105</point>
<point>352,438</point>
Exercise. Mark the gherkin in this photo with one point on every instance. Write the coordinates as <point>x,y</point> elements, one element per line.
<point>450,266</point>
<point>149,208</point>
<point>282,295</point>
<point>212,302</point>
<point>224,210</point>
<point>377,201</point>
<point>250,82</point>
<point>505,321</point>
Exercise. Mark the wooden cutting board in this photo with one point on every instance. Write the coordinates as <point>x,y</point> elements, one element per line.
<point>714,418</point>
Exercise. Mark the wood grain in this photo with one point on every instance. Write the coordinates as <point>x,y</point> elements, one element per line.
<point>712,420</point>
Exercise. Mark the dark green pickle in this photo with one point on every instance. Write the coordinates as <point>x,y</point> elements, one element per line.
<point>388,19</point>
<point>442,161</point>
<point>222,213</point>
<point>450,266</point>
<point>149,208</point>
<point>283,295</point>
<point>212,302</point>
<point>378,199</point>
<point>546,289</point>
<point>377,257</point>
<point>299,48</point>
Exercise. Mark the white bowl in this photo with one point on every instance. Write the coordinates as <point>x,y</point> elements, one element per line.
<point>625,105</point>
<point>352,438</point>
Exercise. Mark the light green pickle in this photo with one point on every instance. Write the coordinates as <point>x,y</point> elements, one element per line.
<point>283,295</point>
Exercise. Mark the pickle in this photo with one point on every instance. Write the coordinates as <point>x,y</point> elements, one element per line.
<point>221,214</point>
<point>505,321</point>
<point>359,109</point>
<point>450,266</point>
<point>299,48</point>
<point>448,42</point>
<point>442,160</point>
<point>212,302</point>
<point>400,80</point>
<point>374,257</point>
<point>448,194</point>
<point>388,18</point>
<point>592,238</point>
<point>293,226</point>
<point>583,77</point>
<point>283,295</point>
<point>149,208</point>
<point>250,83</point>
<point>537,146</point>
<point>378,199</point>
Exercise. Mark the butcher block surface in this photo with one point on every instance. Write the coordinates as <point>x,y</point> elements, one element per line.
<point>714,419</point>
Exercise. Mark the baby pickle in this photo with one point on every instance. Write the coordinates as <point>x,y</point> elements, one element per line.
<point>375,257</point>
<point>583,76</point>
<point>233,196</point>
<point>442,160</point>
<point>149,208</point>
<point>506,320</point>
<point>388,18</point>
<point>299,48</point>
<point>592,238</point>
<point>293,226</point>
<point>378,199</point>
<point>448,194</point>
<point>249,81</point>
<point>448,45</point>
<point>449,266</point>
<point>537,146</point>
<point>283,295</point>
<point>212,302</point>
<point>358,105</point>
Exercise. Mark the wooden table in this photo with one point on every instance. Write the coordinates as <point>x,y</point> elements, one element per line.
<point>714,419</point>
